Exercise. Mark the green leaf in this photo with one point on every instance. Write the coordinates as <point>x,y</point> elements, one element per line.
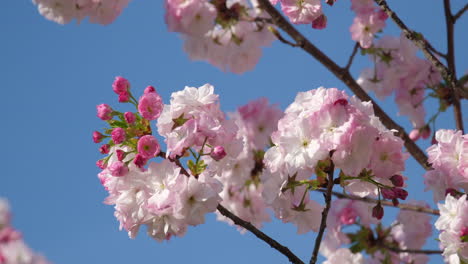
<point>179,121</point>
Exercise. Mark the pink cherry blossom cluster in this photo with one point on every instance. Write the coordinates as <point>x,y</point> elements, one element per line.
<point>453,227</point>
<point>410,230</point>
<point>224,33</point>
<point>99,11</point>
<point>161,195</point>
<point>13,250</point>
<point>323,126</point>
<point>368,22</point>
<point>304,12</point>
<point>241,170</point>
<point>449,158</point>
<point>398,69</point>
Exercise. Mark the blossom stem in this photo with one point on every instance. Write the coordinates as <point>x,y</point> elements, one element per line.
<point>413,251</point>
<point>346,77</point>
<point>386,203</point>
<point>323,222</point>
<point>270,241</point>
<point>460,13</point>
<point>350,61</point>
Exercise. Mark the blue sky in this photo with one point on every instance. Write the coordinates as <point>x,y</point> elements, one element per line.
<point>53,76</point>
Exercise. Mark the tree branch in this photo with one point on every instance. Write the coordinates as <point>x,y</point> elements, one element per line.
<point>350,61</point>
<point>460,13</point>
<point>270,241</point>
<point>344,75</point>
<point>407,207</point>
<point>413,251</point>
<point>419,40</point>
<point>323,222</point>
<point>449,22</point>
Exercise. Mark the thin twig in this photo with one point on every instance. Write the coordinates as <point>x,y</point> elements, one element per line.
<point>350,61</point>
<point>323,222</point>
<point>419,40</point>
<point>414,251</point>
<point>282,39</point>
<point>407,207</point>
<point>344,75</point>
<point>449,22</point>
<point>270,241</point>
<point>431,48</point>
<point>460,13</point>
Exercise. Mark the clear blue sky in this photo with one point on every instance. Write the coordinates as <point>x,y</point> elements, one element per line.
<point>53,76</point>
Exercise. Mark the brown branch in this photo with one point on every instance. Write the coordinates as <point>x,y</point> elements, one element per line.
<point>350,61</point>
<point>270,241</point>
<point>460,13</point>
<point>344,75</point>
<point>419,40</point>
<point>413,251</point>
<point>449,22</point>
<point>407,207</point>
<point>323,222</point>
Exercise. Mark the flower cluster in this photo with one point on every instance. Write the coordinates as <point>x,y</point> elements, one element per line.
<point>324,126</point>
<point>99,11</point>
<point>398,69</point>
<point>449,158</point>
<point>369,21</point>
<point>453,225</point>
<point>409,231</point>
<point>13,250</point>
<point>223,32</point>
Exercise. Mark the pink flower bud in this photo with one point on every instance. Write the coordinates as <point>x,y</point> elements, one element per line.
<point>400,193</point>
<point>118,135</point>
<point>120,85</point>
<point>129,117</point>
<point>97,137</point>
<point>464,231</point>
<point>104,149</point>
<point>426,132</point>
<point>148,147</point>
<point>118,169</point>
<point>140,161</point>
<point>378,211</point>
<point>320,22</point>
<point>397,180</point>
<point>218,153</point>
<point>414,134</point>
<point>388,194</point>
<point>101,164</point>
<point>149,89</point>
<point>120,154</point>
<point>124,97</point>
<point>104,112</point>
<point>150,105</point>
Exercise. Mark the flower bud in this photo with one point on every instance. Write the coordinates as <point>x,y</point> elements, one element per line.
<point>149,89</point>
<point>118,135</point>
<point>120,85</point>
<point>388,194</point>
<point>397,180</point>
<point>320,22</point>
<point>100,163</point>
<point>104,112</point>
<point>414,134</point>
<point>378,211</point>
<point>104,149</point>
<point>129,117</point>
<point>425,132</point>
<point>218,153</point>
<point>140,161</point>
<point>118,169</point>
<point>400,193</point>
<point>120,154</point>
<point>148,146</point>
<point>97,137</point>
<point>124,97</point>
